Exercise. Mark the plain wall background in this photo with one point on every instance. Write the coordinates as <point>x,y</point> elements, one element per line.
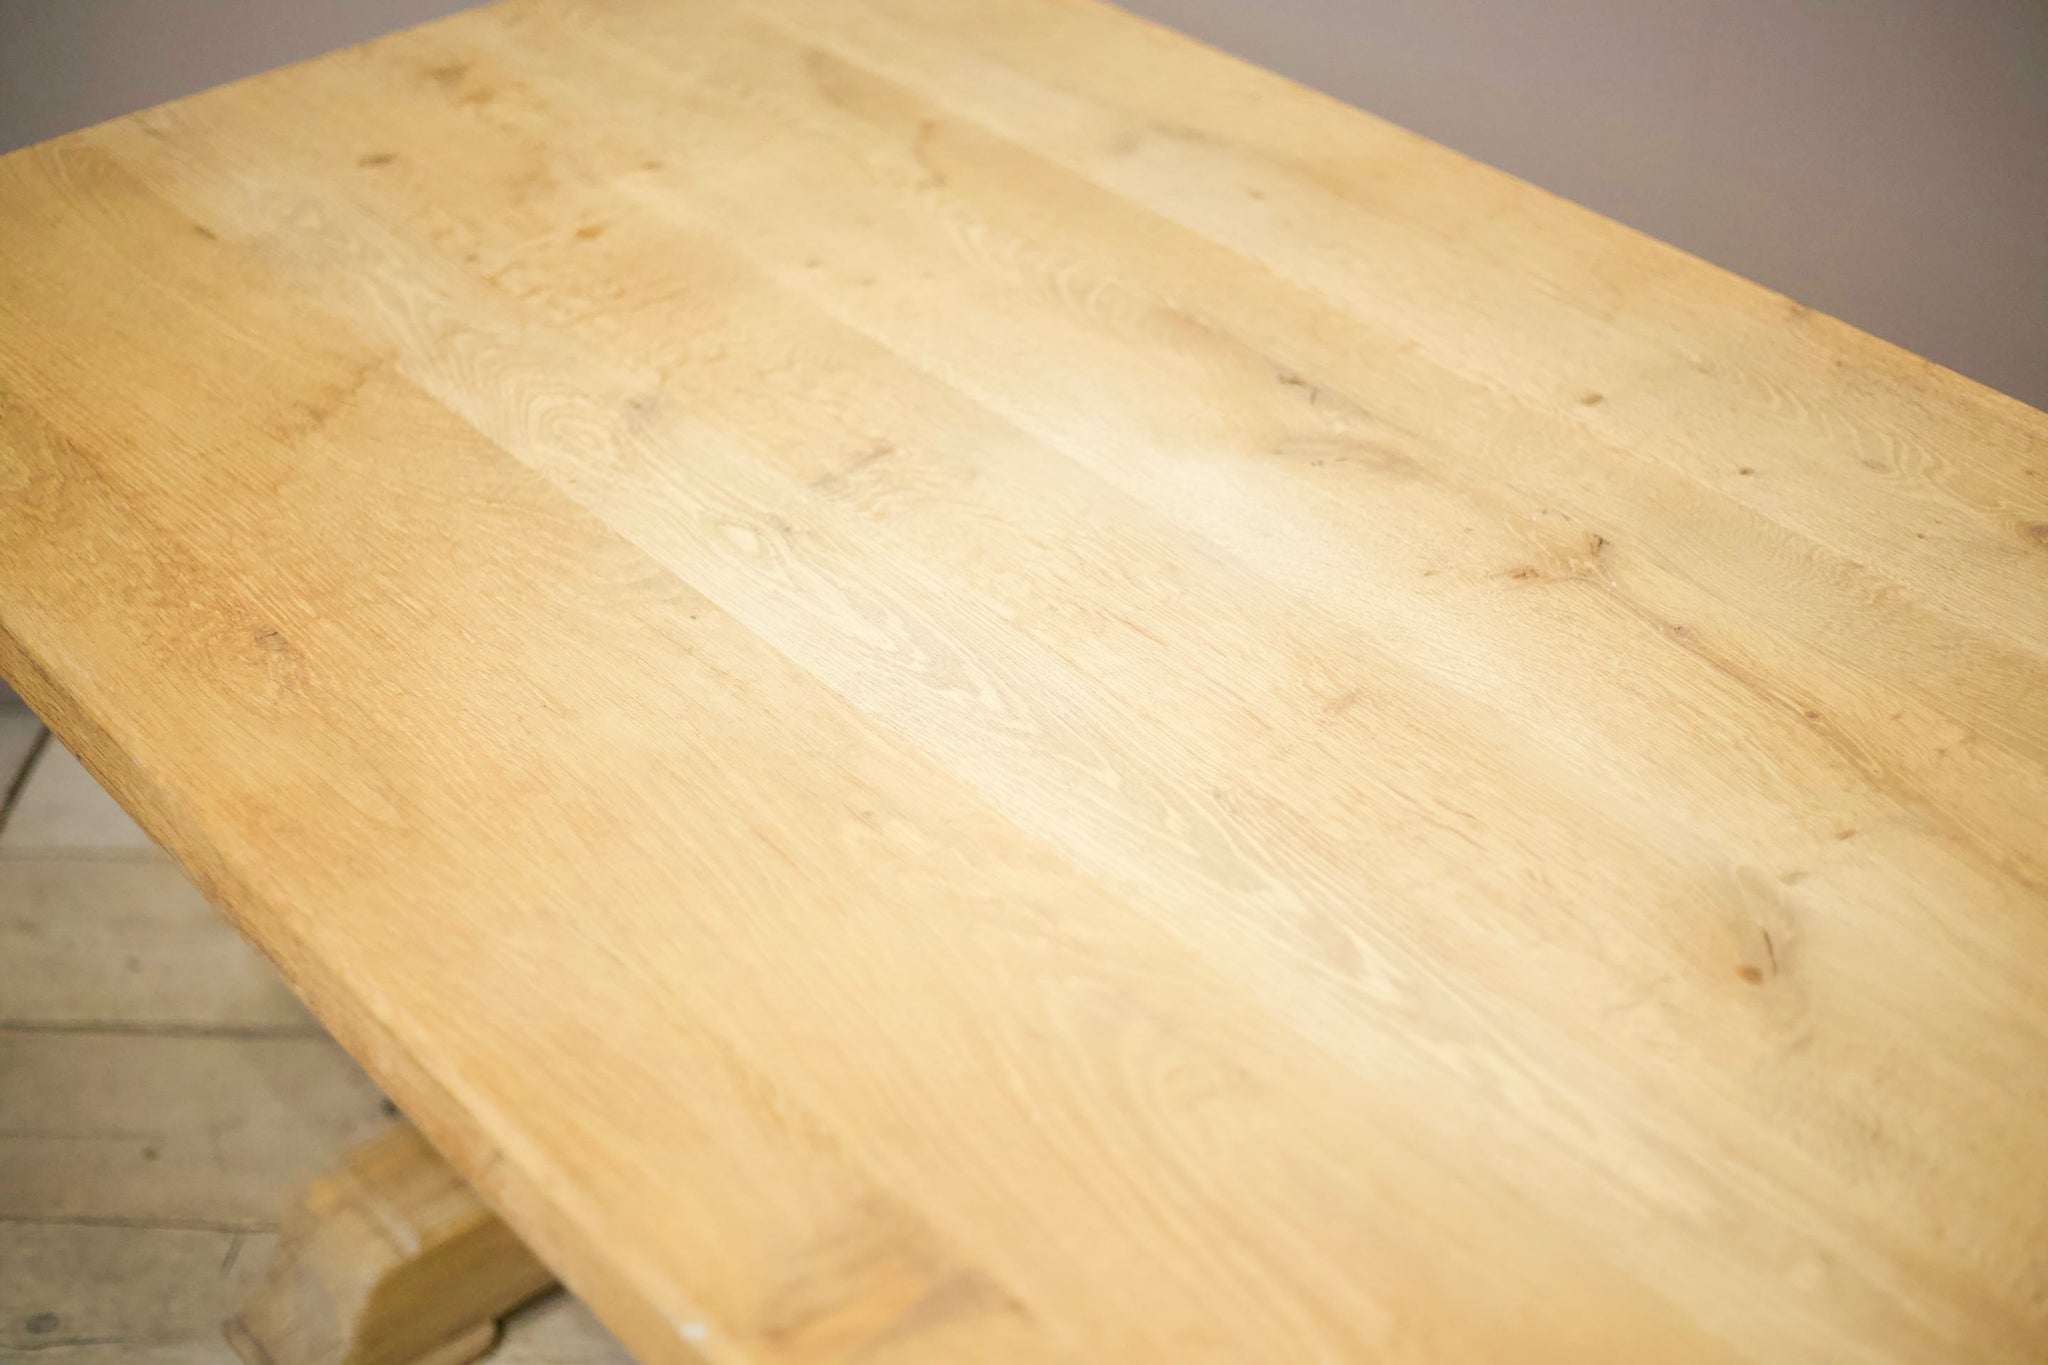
<point>1882,160</point>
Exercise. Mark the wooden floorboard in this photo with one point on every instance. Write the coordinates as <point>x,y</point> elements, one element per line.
<point>181,1128</point>
<point>123,944</point>
<point>61,807</point>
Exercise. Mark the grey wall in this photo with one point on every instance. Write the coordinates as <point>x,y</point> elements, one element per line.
<point>65,64</point>
<point>1883,160</point>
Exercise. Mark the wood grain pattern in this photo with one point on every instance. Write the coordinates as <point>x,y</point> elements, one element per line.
<point>954,680</point>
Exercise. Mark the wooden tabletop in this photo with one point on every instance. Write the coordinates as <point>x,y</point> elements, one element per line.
<point>951,680</point>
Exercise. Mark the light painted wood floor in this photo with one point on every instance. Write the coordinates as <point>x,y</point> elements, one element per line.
<point>161,1094</point>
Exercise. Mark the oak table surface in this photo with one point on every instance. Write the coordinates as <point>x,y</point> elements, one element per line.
<point>951,680</point>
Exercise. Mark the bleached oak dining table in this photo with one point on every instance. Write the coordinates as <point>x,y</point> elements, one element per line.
<point>955,681</point>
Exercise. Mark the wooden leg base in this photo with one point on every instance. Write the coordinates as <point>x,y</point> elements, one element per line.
<point>389,1259</point>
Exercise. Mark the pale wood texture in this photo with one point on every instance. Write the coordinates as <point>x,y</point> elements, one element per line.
<point>146,1145</point>
<point>388,1259</point>
<point>949,679</point>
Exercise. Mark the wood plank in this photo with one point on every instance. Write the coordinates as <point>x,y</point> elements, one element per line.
<point>84,1295</point>
<point>957,681</point>
<point>1513,287</point>
<point>74,1294</point>
<point>212,1131</point>
<point>128,945</point>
